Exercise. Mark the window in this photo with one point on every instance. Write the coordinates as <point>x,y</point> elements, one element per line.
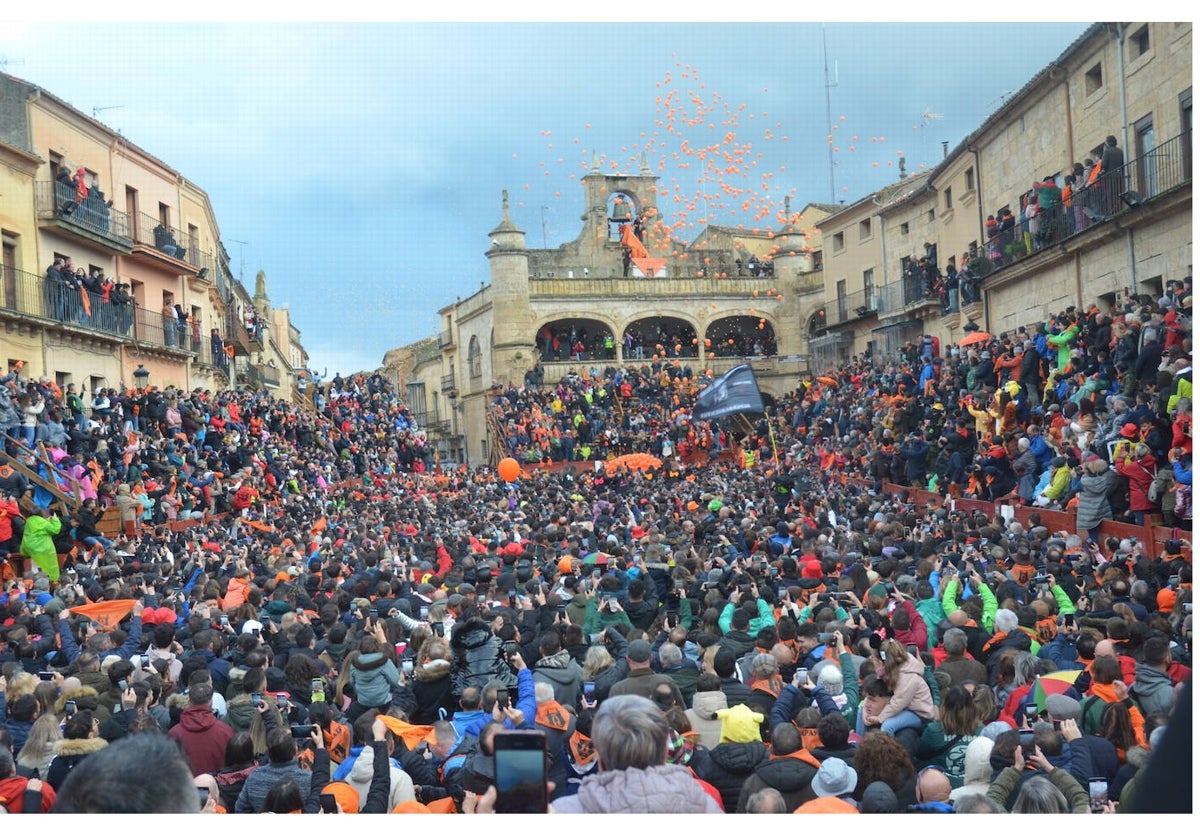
<point>818,260</point>
<point>869,285</point>
<point>948,198</point>
<point>841,300</point>
<point>839,241</point>
<point>131,205</point>
<point>929,214</point>
<point>8,264</point>
<point>1139,42</point>
<point>904,227</point>
<point>1185,130</point>
<point>1146,168</point>
<point>864,229</point>
<point>970,179</point>
<point>62,378</point>
<point>1093,79</point>
<point>193,241</point>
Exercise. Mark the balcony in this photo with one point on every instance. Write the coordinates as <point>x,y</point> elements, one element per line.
<point>1135,185</point>
<point>906,295</point>
<point>268,376</point>
<point>852,307</point>
<point>445,339</point>
<point>91,221</point>
<point>159,245</point>
<point>448,384</point>
<point>34,296</point>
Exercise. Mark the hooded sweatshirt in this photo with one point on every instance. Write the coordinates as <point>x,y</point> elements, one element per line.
<point>663,789</point>
<point>703,716</point>
<point>563,673</point>
<point>1152,689</point>
<point>400,789</point>
<point>203,737</point>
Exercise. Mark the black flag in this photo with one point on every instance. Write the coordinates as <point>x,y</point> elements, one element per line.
<point>734,393</point>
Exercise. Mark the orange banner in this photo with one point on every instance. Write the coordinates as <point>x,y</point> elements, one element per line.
<point>108,614</point>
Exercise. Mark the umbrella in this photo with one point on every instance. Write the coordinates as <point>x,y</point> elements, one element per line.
<point>974,338</point>
<point>1056,683</point>
<point>597,558</point>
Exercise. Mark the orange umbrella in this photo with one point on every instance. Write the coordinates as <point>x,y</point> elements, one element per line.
<point>974,338</point>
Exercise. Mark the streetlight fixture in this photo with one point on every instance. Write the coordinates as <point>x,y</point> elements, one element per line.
<point>141,377</point>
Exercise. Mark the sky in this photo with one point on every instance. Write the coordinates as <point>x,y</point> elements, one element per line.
<point>361,164</point>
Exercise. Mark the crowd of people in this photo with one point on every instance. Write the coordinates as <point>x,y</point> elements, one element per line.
<point>88,298</point>
<point>335,623</point>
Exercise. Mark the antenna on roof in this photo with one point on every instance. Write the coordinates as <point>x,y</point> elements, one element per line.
<point>829,108</point>
<point>5,61</point>
<point>97,109</point>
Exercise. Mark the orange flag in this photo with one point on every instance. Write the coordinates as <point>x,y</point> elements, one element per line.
<point>637,250</point>
<point>318,526</point>
<point>87,303</point>
<point>108,614</point>
<point>411,733</point>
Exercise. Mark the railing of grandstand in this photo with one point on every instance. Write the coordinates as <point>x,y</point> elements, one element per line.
<point>1139,181</point>
<point>57,200</point>
<point>31,294</point>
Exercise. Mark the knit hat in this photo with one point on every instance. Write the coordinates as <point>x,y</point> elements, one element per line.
<point>1062,707</point>
<point>54,606</point>
<point>1166,600</point>
<point>878,798</point>
<point>835,778</point>
<point>830,679</point>
<point>564,565</point>
<point>1129,430</point>
<point>739,725</point>
<point>346,796</point>
<point>812,569</point>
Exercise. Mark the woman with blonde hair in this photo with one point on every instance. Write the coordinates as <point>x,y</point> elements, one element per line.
<point>41,745</point>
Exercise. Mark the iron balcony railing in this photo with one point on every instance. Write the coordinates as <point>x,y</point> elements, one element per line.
<point>853,306</point>
<point>895,298</point>
<point>448,383</point>
<point>153,233</point>
<point>56,200</point>
<point>1138,182</point>
<point>40,297</point>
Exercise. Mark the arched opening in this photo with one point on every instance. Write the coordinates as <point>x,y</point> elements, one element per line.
<point>741,335</point>
<point>661,337</point>
<point>622,210</point>
<point>576,339</point>
<point>816,323</point>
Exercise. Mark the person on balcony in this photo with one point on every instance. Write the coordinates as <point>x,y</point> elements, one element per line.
<point>1112,162</point>
<point>168,324</point>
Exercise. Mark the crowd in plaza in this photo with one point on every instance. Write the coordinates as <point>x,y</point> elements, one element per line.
<point>301,611</point>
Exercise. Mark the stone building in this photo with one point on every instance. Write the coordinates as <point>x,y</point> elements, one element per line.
<point>1128,80</point>
<point>73,188</point>
<point>727,297</point>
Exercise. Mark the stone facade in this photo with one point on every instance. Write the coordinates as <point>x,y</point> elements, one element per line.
<point>1130,80</point>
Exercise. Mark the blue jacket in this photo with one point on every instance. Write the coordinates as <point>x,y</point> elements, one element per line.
<point>526,702</point>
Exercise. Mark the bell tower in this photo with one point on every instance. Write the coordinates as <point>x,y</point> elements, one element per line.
<point>514,351</point>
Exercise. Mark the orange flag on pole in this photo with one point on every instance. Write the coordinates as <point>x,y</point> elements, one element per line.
<point>637,250</point>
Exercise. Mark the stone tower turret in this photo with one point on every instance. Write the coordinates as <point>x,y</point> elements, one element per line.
<point>514,351</point>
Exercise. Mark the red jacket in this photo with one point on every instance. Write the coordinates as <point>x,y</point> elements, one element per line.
<point>203,737</point>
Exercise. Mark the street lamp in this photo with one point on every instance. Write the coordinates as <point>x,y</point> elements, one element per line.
<point>141,377</point>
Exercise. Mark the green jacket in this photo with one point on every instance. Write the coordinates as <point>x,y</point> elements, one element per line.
<point>38,543</point>
<point>990,605</point>
<point>931,610</point>
<point>765,618</point>
<point>1063,342</point>
<point>597,621</point>
<point>1010,778</point>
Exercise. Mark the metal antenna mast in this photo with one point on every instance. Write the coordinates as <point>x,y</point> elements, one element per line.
<point>829,111</point>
